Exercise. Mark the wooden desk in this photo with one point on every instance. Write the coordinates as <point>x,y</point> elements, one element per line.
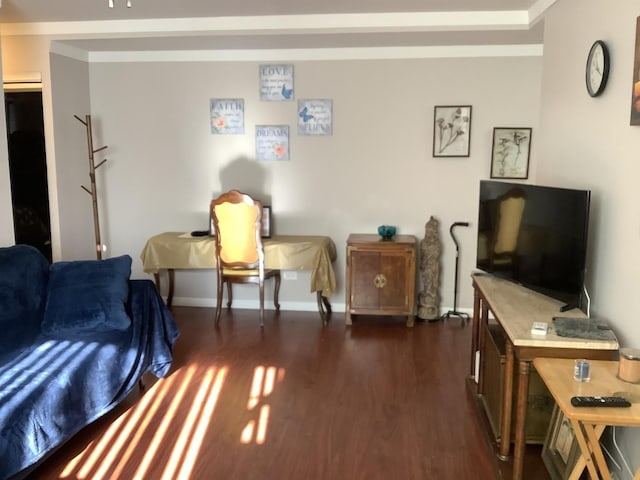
<point>589,423</point>
<point>176,250</point>
<point>515,308</point>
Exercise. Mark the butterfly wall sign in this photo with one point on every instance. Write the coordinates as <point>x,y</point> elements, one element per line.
<point>315,117</point>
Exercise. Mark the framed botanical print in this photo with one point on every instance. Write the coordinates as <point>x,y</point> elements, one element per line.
<point>635,87</point>
<point>451,131</point>
<point>510,153</point>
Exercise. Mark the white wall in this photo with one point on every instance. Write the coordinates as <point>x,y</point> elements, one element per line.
<point>164,165</point>
<point>377,168</point>
<point>70,95</point>
<point>24,56</point>
<point>6,216</point>
<point>587,143</point>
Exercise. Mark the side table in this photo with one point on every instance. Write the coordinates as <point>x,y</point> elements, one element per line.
<point>381,276</point>
<point>589,422</point>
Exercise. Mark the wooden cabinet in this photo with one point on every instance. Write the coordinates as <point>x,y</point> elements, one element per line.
<point>381,276</point>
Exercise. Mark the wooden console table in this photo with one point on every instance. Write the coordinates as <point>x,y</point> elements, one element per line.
<point>515,308</point>
<point>589,423</point>
<point>175,250</point>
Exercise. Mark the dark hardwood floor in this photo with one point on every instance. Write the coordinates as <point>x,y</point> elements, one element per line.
<point>296,400</point>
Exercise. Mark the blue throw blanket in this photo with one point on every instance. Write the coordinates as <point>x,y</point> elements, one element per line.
<point>56,385</point>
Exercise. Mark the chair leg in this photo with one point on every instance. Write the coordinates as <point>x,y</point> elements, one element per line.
<point>229,295</point>
<point>276,293</point>
<point>219,300</point>
<point>261,287</point>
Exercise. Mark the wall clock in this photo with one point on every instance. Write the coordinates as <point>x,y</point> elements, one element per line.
<point>597,71</point>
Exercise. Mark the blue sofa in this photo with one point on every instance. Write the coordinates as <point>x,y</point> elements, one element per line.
<point>75,339</point>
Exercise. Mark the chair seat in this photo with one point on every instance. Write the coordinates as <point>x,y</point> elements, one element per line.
<point>247,273</point>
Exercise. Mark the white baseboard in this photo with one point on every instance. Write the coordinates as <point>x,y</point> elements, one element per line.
<point>284,306</point>
<point>253,304</point>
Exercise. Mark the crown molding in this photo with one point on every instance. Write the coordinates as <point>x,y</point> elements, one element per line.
<point>287,55</point>
<point>283,24</point>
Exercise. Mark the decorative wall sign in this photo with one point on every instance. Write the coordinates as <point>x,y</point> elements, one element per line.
<point>276,82</point>
<point>272,142</point>
<point>227,115</point>
<point>315,117</point>
<point>451,131</point>
<point>635,94</point>
<point>510,153</point>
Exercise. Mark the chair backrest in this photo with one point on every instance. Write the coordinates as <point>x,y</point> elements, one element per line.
<point>510,210</point>
<point>237,221</point>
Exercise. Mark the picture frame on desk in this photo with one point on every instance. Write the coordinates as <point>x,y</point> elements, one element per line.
<point>560,451</point>
<point>266,223</point>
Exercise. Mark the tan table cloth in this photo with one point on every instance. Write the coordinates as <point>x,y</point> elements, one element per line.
<point>175,250</point>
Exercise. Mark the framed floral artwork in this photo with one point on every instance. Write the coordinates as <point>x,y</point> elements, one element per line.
<point>227,115</point>
<point>635,96</point>
<point>451,131</point>
<point>272,142</point>
<point>510,153</point>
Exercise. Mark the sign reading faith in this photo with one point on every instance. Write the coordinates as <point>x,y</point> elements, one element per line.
<point>272,142</point>
<point>276,82</point>
<point>315,117</point>
<point>227,115</point>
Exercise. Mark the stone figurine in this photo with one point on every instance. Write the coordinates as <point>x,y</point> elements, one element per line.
<point>430,251</point>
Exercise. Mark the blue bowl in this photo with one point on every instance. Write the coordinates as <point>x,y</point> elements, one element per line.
<point>386,232</point>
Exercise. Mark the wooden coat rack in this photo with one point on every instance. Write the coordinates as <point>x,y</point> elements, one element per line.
<point>92,175</point>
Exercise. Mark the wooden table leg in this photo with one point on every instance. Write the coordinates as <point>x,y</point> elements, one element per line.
<point>593,435</point>
<point>507,401</point>
<point>524,368</point>
<point>171,280</point>
<point>324,307</point>
<point>156,277</point>
<point>581,462</point>
<point>482,330</point>
<point>474,332</point>
<point>584,449</point>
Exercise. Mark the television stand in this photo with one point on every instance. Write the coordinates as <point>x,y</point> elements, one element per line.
<point>515,308</point>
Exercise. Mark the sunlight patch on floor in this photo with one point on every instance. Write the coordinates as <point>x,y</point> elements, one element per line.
<point>156,425</point>
<point>262,386</point>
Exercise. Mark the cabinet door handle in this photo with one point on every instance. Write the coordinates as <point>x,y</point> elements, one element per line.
<point>380,280</point>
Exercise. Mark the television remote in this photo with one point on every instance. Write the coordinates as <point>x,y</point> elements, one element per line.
<point>600,402</point>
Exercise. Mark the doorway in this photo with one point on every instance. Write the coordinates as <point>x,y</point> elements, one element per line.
<point>28,169</point>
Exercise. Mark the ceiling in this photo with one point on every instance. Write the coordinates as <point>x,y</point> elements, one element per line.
<point>275,24</point>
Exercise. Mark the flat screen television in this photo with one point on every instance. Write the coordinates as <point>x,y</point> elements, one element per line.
<point>535,236</point>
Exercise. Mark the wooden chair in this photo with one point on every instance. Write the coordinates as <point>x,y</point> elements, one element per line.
<point>237,221</point>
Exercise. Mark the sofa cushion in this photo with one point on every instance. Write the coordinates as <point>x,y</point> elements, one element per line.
<point>24,273</point>
<point>88,295</point>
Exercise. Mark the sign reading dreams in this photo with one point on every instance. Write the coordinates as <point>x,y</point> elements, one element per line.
<point>272,142</point>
